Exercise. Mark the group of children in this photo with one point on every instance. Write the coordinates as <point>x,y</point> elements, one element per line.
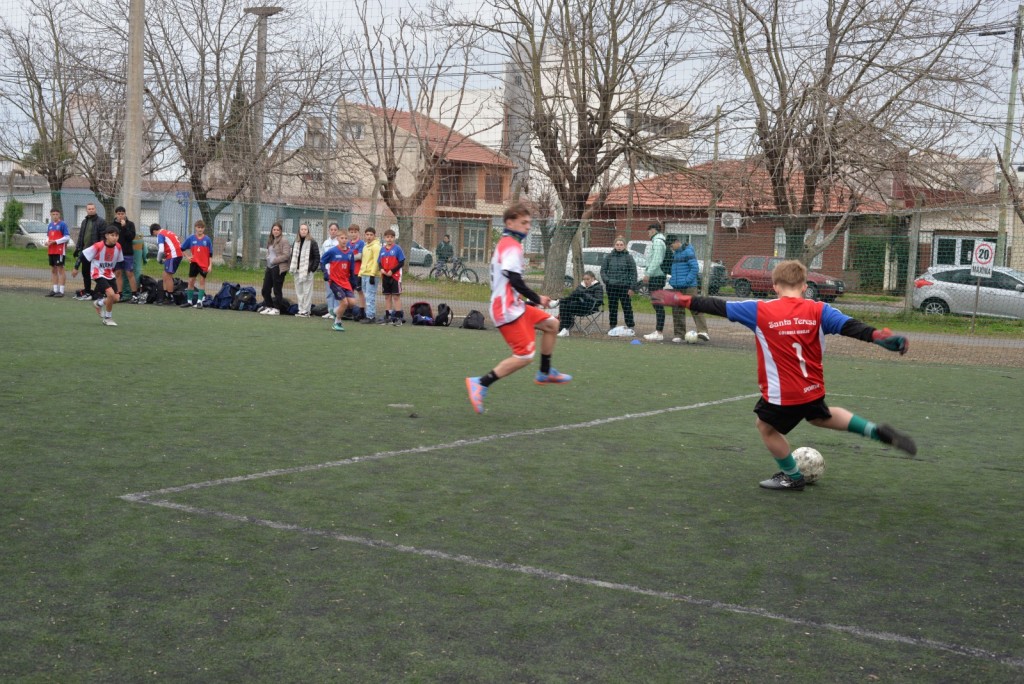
<point>351,270</point>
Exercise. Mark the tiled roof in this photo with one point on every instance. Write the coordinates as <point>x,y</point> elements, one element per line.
<point>745,188</point>
<point>443,141</point>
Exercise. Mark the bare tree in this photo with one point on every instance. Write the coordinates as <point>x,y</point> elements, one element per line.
<point>403,69</point>
<point>841,90</point>
<point>602,78</point>
<point>35,102</point>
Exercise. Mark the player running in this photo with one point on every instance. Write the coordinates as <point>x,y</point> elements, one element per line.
<point>517,321</point>
<point>790,333</point>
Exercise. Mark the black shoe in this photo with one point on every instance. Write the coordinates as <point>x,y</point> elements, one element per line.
<point>186,305</point>
<point>781,480</point>
<point>58,294</point>
<point>51,293</point>
<point>887,434</point>
<point>369,321</point>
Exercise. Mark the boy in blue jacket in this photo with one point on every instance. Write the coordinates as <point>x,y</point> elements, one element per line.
<point>685,278</point>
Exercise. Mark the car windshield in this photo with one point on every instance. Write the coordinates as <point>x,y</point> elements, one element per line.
<point>33,226</point>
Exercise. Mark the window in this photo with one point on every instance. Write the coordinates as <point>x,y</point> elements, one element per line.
<point>754,263</point>
<point>224,227</point>
<point>313,174</point>
<point>494,188</point>
<point>352,131</point>
<point>780,242</point>
<point>954,251</point>
<point>33,212</point>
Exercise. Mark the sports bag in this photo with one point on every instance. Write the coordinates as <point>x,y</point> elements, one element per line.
<point>421,313</point>
<point>474,320</point>
<point>444,315</point>
<point>227,292</point>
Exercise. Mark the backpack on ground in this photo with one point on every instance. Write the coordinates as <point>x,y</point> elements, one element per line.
<point>245,299</point>
<point>444,315</point>
<point>151,288</point>
<point>224,296</point>
<point>474,320</point>
<point>318,310</point>
<point>421,313</point>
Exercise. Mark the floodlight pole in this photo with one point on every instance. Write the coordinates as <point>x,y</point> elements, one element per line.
<point>131,186</point>
<point>1007,167</point>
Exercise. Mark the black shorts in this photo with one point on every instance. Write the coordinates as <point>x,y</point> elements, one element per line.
<point>100,285</point>
<point>194,271</point>
<point>57,259</point>
<point>390,286</point>
<point>785,418</point>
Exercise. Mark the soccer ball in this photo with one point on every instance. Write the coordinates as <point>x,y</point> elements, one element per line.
<point>810,462</point>
<point>691,337</point>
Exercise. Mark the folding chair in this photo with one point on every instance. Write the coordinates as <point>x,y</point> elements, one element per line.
<point>590,323</point>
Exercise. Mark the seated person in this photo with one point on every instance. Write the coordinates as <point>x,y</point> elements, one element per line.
<point>585,299</point>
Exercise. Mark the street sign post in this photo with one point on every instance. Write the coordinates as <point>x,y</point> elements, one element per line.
<point>982,260</point>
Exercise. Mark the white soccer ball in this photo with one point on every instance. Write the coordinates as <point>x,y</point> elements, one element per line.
<point>691,337</point>
<point>810,462</point>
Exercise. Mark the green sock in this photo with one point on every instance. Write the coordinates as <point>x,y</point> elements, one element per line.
<point>859,426</point>
<point>788,466</point>
<point>202,295</point>
<point>188,296</point>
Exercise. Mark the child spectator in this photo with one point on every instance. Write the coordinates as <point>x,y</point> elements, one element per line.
<point>391,261</point>
<point>338,266</point>
<point>355,245</point>
<point>684,278</point>
<point>57,238</point>
<point>168,253</point>
<point>106,259</point>
<point>200,252</point>
<point>370,274</point>
<point>790,334</point>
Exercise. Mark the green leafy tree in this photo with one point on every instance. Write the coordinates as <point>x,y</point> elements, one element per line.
<point>13,211</point>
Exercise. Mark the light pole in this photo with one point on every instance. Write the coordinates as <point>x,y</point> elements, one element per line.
<point>131,187</point>
<point>252,231</point>
<point>1006,167</point>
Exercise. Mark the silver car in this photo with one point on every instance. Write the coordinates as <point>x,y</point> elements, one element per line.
<point>952,289</point>
<point>32,235</point>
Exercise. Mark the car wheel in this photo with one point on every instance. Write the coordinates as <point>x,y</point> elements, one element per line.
<point>811,292</point>
<point>30,246</point>
<point>935,307</point>
<point>742,288</point>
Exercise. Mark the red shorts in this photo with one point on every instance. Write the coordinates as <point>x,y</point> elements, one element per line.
<point>521,335</point>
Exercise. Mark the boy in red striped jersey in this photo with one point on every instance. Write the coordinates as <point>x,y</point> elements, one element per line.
<point>168,253</point>
<point>106,259</point>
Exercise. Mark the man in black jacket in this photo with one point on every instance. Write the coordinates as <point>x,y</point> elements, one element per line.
<point>585,299</point>
<point>126,238</point>
<point>91,231</point>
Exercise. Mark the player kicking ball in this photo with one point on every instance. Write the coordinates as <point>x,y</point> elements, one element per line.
<point>789,332</point>
<point>516,321</point>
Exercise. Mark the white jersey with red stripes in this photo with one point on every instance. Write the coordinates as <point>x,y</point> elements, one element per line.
<point>169,243</point>
<point>506,304</point>
<point>103,259</point>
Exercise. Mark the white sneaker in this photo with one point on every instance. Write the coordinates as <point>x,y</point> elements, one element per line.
<point>328,315</point>
<point>677,340</point>
<point>703,337</point>
<point>272,312</point>
<point>564,332</point>
<point>627,332</point>
<point>616,331</point>
<point>654,336</point>
<point>109,321</point>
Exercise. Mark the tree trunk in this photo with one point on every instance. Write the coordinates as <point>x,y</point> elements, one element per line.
<point>554,260</point>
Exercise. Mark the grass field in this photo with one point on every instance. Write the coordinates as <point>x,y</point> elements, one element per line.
<point>216,496</point>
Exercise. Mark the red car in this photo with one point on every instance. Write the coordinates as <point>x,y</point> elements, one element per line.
<point>752,275</point>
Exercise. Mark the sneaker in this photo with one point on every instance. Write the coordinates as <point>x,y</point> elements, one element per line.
<point>616,331</point>
<point>564,332</point>
<point>51,293</point>
<point>552,377</point>
<point>84,297</point>
<point>703,337</point>
<point>654,336</point>
<point>198,305</point>
<point>58,294</point>
<point>184,305</point>
<point>477,392</point>
<point>338,326</point>
<point>887,434</point>
<point>781,480</point>
<point>272,312</point>
<point>399,322</point>
<point>384,321</point>
<point>109,321</point>
<point>327,315</point>
<point>677,340</point>
<point>368,321</point>
<point>301,314</point>
<point>627,332</point>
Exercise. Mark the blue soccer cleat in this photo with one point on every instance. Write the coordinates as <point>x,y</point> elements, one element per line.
<point>477,392</point>
<point>552,377</point>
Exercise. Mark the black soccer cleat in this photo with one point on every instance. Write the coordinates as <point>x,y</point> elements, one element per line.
<point>781,480</point>
<point>887,434</point>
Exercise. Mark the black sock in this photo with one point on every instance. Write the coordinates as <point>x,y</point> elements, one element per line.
<point>545,363</point>
<point>488,379</point>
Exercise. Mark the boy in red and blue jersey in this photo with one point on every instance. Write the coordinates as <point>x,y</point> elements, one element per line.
<point>168,252</point>
<point>790,335</point>
<point>338,264</point>
<point>105,260</point>
<point>391,261</point>
<point>200,252</point>
<point>57,238</point>
<point>517,322</point>
<point>356,245</point>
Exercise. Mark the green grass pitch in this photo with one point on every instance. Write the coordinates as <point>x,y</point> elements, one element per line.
<point>216,496</point>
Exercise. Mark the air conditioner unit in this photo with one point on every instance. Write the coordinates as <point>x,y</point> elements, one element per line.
<point>731,219</point>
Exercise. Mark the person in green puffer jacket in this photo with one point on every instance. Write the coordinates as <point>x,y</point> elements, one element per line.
<point>618,272</point>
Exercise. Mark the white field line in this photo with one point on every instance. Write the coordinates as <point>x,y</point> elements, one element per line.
<point>549,575</point>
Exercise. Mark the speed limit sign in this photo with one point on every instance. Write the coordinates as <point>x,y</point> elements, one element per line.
<point>983,259</point>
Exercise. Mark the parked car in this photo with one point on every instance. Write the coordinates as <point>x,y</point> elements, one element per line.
<point>593,257</point>
<point>952,289</point>
<point>719,275</point>
<point>32,235</point>
<point>420,256</point>
<point>752,275</point>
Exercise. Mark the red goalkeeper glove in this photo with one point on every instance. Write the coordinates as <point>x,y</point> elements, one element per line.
<point>885,339</point>
<point>670,298</point>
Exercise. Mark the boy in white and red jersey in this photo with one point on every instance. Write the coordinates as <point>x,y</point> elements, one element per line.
<point>105,259</point>
<point>516,321</point>
<point>200,250</point>
<point>790,333</point>
<point>57,237</point>
<point>168,252</point>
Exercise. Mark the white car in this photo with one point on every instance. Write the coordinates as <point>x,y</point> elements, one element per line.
<point>32,235</point>
<point>952,289</point>
<point>593,257</point>
<point>420,256</point>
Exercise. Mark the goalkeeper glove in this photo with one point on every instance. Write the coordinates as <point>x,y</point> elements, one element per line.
<point>670,298</point>
<point>885,339</point>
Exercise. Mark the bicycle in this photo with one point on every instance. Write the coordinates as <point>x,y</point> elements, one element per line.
<point>455,270</point>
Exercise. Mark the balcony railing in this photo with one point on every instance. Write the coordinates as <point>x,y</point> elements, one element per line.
<point>463,200</point>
